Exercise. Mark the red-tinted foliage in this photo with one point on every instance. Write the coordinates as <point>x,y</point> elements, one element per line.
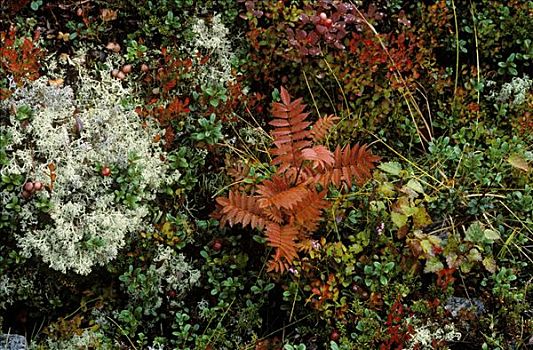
<point>18,60</point>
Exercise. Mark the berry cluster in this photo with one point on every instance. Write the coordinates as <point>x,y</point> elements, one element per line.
<point>30,188</point>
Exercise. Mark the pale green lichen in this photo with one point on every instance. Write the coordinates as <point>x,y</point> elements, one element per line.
<point>514,93</point>
<point>213,40</point>
<point>425,335</point>
<point>87,225</point>
<point>177,273</point>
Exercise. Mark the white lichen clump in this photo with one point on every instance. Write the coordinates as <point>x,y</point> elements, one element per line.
<point>424,336</point>
<point>177,273</point>
<point>514,93</point>
<point>73,135</point>
<point>212,40</point>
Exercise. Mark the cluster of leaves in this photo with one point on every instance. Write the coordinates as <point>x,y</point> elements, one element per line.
<point>19,61</point>
<point>289,204</point>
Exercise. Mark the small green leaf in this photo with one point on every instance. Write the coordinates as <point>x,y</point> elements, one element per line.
<point>475,233</point>
<point>433,265</point>
<point>415,185</point>
<point>398,219</point>
<point>392,168</point>
<point>383,280</point>
<point>491,235</point>
<point>490,264</point>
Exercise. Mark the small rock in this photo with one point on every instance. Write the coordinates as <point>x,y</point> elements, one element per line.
<point>455,304</point>
<point>12,342</point>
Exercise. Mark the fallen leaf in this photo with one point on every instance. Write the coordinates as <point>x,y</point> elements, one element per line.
<point>108,15</point>
<point>393,168</point>
<point>56,82</point>
<point>518,162</point>
<point>415,185</point>
<point>398,219</point>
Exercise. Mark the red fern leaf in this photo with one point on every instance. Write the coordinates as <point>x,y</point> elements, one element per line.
<point>279,193</point>
<point>283,239</point>
<point>240,208</point>
<point>307,214</point>
<point>322,127</point>
<point>290,133</point>
<point>320,155</point>
<point>350,162</point>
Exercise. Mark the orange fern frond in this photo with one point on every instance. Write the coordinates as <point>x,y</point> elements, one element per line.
<point>277,265</point>
<point>350,163</point>
<point>319,155</point>
<point>307,214</point>
<point>291,133</point>
<point>288,207</point>
<point>283,239</point>
<point>321,127</point>
<point>280,193</point>
<point>236,170</point>
<point>273,214</point>
<point>240,208</point>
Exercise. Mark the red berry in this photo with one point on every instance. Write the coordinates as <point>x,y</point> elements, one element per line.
<point>37,186</point>
<point>26,194</point>
<point>323,16</point>
<point>127,68</point>
<point>335,335</point>
<point>106,171</point>
<point>217,245</point>
<point>171,294</point>
<point>28,186</point>
<point>328,22</point>
<point>145,68</point>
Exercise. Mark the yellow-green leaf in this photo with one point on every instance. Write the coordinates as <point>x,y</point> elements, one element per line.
<point>491,235</point>
<point>398,219</point>
<point>392,168</point>
<point>421,218</point>
<point>427,247</point>
<point>474,255</point>
<point>415,185</point>
<point>518,162</point>
<point>433,265</point>
<point>490,264</point>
